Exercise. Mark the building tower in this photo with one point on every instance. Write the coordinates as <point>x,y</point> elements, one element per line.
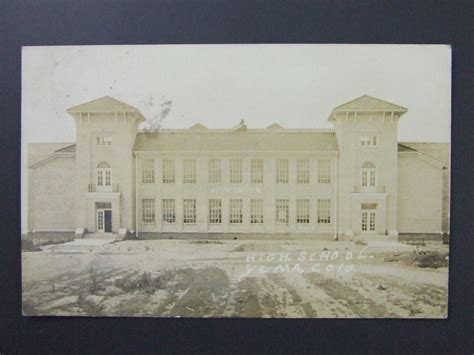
<point>105,133</point>
<point>367,132</point>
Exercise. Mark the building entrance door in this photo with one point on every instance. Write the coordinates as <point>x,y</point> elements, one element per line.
<point>104,220</point>
<point>368,220</point>
<point>108,221</point>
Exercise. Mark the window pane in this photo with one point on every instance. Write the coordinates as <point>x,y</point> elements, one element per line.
<point>189,207</point>
<point>108,177</point>
<point>148,210</point>
<point>104,140</point>
<point>189,168</point>
<point>302,169</point>
<point>302,211</point>
<point>324,211</point>
<point>256,211</point>
<point>235,171</point>
<point>256,167</point>
<point>372,178</point>
<point>368,175</point>
<point>169,215</point>
<point>214,171</point>
<point>235,211</point>
<point>100,178</point>
<point>368,141</point>
<point>215,211</point>
<point>148,171</point>
<point>168,171</point>
<point>282,211</point>
<point>364,178</point>
<point>282,171</point>
<point>324,172</point>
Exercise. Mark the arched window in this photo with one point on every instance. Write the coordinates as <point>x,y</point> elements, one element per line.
<point>104,174</point>
<point>368,178</point>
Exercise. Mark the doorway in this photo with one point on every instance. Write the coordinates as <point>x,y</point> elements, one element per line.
<point>368,220</point>
<point>104,220</point>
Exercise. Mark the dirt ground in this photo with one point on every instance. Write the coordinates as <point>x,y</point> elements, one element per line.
<point>231,278</point>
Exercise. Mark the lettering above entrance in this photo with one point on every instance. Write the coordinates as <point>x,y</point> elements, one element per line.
<point>368,206</point>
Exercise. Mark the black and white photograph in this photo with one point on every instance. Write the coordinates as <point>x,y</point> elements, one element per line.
<point>236,181</point>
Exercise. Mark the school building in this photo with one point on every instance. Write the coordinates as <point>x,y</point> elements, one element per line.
<point>356,179</point>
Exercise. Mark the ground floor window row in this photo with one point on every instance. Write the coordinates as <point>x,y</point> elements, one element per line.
<point>236,211</point>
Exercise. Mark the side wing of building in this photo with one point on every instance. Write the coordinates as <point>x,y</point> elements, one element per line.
<point>51,179</point>
<point>423,188</point>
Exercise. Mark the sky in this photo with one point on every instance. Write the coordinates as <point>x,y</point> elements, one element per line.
<point>294,85</point>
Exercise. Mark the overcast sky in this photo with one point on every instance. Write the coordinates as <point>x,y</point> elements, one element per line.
<point>218,85</point>
<point>294,85</point>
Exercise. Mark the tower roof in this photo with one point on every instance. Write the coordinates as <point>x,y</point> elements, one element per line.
<point>103,104</point>
<point>369,103</point>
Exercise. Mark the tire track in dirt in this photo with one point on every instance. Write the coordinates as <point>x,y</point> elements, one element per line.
<point>246,299</point>
<point>196,293</point>
<point>57,294</point>
<point>266,296</point>
<point>406,299</point>
<point>349,298</point>
<point>296,307</point>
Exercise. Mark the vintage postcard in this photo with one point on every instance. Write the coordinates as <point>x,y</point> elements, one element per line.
<point>282,181</point>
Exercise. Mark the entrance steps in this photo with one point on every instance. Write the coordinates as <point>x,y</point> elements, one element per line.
<point>102,236</point>
<point>79,246</point>
<point>375,237</point>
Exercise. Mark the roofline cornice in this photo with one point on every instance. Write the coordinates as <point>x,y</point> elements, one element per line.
<point>51,157</point>
<point>426,158</point>
<point>373,110</point>
<point>235,151</point>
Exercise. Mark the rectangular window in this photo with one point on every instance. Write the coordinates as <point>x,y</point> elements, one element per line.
<point>215,211</point>
<point>215,175</point>
<point>256,211</point>
<point>108,178</point>
<point>104,140</point>
<point>256,171</point>
<point>368,141</point>
<point>189,211</point>
<point>302,169</point>
<point>169,215</point>
<point>282,171</point>
<point>282,211</point>
<point>235,172</point>
<point>324,172</point>
<point>100,178</point>
<point>148,210</point>
<point>372,178</point>
<point>324,211</point>
<point>236,211</point>
<point>168,171</point>
<point>302,211</point>
<point>148,171</point>
<point>189,171</point>
<point>368,178</point>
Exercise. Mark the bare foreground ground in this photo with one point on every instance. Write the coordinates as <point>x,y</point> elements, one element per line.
<point>232,278</point>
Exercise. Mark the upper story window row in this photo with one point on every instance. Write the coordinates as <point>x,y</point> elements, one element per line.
<point>104,140</point>
<point>368,141</point>
<point>215,176</point>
